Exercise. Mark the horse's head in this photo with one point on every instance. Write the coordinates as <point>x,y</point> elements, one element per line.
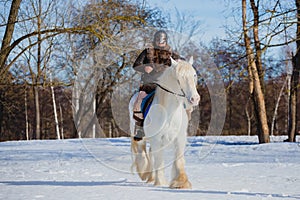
<point>187,78</point>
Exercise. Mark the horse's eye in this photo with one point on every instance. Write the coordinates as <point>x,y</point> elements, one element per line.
<point>196,78</point>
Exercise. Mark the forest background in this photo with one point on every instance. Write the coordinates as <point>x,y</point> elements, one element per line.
<point>53,52</point>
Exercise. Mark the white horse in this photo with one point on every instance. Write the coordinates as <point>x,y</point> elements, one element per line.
<point>166,125</point>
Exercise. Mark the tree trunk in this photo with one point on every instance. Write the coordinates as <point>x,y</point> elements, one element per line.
<point>13,14</point>
<point>4,51</point>
<point>37,113</point>
<point>277,105</point>
<point>2,100</point>
<point>260,109</point>
<point>293,108</point>
<point>77,109</point>
<point>248,118</point>
<point>258,51</point>
<point>95,118</point>
<point>26,115</point>
<point>61,122</point>
<point>55,111</point>
<point>36,89</point>
<point>292,131</point>
<point>257,93</point>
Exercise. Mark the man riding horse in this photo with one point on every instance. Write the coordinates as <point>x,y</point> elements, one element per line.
<point>151,62</point>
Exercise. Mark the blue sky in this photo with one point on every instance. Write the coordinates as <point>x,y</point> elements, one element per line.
<point>211,12</point>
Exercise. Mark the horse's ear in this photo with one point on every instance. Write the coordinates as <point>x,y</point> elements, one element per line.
<point>191,60</point>
<point>173,62</point>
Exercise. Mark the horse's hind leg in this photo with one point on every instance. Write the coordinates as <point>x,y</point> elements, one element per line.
<point>141,160</point>
<point>180,179</point>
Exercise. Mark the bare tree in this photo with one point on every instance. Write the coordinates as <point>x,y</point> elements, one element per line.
<point>277,105</point>
<point>185,30</point>
<point>35,27</point>
<point>14,9</point>
<point>254,63</point>
<point>54,108</point>
<point>12,18</point>
<point>26,113</point>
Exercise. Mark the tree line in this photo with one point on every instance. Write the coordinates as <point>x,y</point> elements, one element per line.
<point>65,67</point>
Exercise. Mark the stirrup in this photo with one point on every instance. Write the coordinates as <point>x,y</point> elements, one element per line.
<point>139,133</point>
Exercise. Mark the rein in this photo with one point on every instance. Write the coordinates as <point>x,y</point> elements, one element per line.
<point>169,91</point>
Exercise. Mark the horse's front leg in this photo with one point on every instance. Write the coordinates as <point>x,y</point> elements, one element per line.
<point>180,179</point>
<point>158,163</point>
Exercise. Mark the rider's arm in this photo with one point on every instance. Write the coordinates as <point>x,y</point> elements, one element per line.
<point>176,56</point>
<point>140,61</point>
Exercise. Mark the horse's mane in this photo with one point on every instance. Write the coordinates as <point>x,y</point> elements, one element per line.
<point>182,69</point>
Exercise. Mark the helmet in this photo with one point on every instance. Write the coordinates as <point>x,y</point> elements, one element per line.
<point>160,37</point>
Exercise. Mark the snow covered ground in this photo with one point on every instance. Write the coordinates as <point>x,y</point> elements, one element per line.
<point>218,167</point>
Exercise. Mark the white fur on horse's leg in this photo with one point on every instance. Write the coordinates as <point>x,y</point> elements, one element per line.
<point>174,171</point>
<point>151,172</point>
<point>180,179</point>
<point>141,160</point>
<point>157,153</point>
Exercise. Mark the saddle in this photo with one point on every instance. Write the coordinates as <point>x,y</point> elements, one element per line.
<point>145,106</point>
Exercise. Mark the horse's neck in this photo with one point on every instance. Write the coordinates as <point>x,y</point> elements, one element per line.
<point>168,100</point>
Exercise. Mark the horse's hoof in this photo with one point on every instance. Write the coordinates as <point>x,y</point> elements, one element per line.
<point>181,185</point>
<point>160,183</point>
<point>150,180</point>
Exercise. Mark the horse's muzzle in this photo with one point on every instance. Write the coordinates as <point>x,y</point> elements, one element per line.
<point>195,100</point>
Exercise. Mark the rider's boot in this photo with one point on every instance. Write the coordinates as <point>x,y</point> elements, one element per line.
<point>139,132</point>
<point>138,116</point>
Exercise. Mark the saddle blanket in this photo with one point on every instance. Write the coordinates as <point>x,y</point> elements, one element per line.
<point>146,103</point>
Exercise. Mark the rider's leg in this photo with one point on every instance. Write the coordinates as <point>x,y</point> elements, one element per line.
<point>137,105</point>
<point>138,116</point>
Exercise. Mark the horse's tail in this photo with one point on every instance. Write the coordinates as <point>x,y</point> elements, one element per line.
<point>141,158</point>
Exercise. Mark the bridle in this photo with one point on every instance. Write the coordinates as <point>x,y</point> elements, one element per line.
<point>169,91</point>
